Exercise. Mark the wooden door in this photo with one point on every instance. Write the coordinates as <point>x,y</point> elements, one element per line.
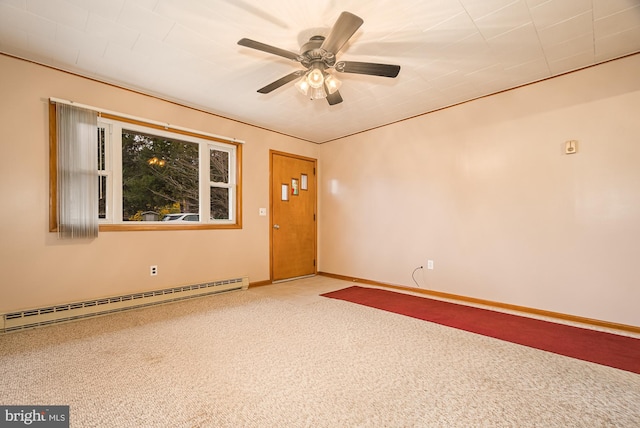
<point>293,216</point>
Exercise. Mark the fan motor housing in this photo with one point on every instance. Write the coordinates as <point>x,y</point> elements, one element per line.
<point>312,52</point>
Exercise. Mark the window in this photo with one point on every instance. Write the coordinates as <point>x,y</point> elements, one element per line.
<point>103,174</point>
<point>159,174</point>
<point>150,177</point>
<point>145,170</point>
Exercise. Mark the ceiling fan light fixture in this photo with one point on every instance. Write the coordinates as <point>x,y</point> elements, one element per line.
<point>315,77</point>
<point>303,86</point>
<point>318,93</point>
<point>333,84</point>
<point>318,56</point>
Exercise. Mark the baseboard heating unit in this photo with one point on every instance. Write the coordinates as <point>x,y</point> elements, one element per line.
<point>31,318</point>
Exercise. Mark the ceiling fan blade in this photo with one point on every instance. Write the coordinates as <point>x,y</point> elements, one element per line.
<point>268,48</point>
<point>334,98</point>
<point>384,70</point>
<point>282,81</point>
<point>346,25</point>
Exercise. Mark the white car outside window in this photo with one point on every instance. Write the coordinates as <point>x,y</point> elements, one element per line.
<point>182,217</point>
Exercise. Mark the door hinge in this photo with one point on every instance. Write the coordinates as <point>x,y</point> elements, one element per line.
<point>314,170</point>
<point>314,217</point>
<point>314,262</point>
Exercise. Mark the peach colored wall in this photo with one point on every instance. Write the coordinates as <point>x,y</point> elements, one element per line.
<point>37,269</point>
<point>485,190</point>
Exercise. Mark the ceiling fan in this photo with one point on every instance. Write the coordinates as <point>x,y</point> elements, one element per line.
<point>318,56</point>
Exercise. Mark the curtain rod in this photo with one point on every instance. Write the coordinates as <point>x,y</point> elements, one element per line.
<point>141,119</point>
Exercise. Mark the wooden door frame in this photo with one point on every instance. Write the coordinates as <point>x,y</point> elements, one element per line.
<point>315,207</point>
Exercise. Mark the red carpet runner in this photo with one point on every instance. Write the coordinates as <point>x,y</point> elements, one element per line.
<point>608,349</point>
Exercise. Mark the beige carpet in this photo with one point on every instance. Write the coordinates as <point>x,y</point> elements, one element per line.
<point>281,356</point>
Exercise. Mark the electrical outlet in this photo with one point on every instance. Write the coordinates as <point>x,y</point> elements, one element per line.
<point>153,270</point>
<point>430,264</point>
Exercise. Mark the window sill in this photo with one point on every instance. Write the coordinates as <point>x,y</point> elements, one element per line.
<point>158,227</point>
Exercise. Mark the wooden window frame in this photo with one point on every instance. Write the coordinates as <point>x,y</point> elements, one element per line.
<point>135,226</point>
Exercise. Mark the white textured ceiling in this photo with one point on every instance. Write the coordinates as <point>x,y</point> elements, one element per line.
<point>450,51</point>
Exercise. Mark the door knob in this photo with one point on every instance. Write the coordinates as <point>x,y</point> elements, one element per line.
<point>276,226</point>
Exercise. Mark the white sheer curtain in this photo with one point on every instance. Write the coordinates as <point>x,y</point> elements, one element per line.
<point>77,147</point>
